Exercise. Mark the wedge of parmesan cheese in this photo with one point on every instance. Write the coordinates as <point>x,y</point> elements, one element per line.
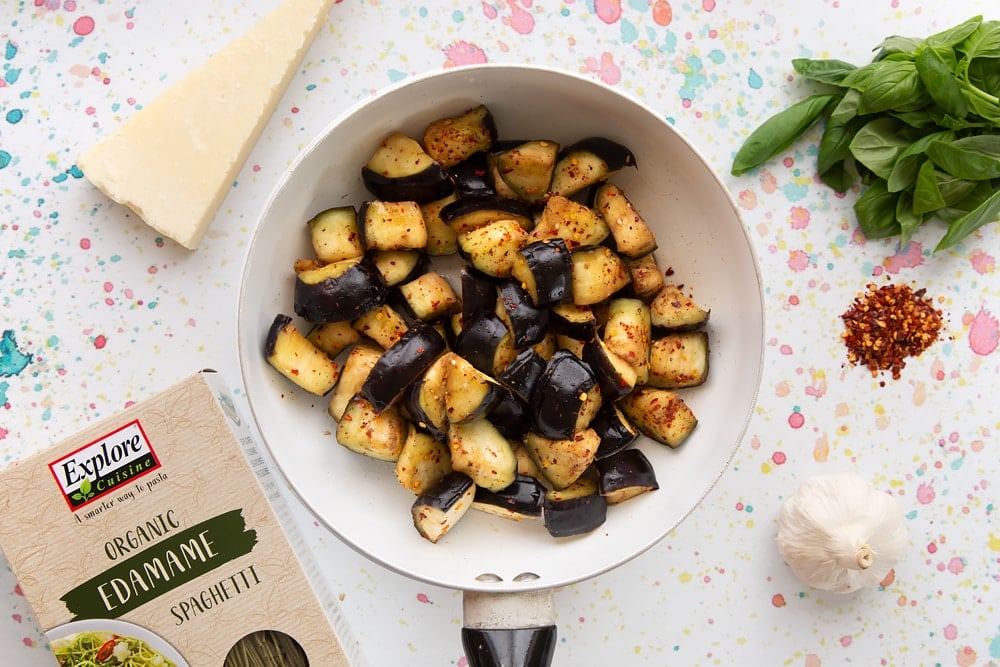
<point>174,161</point>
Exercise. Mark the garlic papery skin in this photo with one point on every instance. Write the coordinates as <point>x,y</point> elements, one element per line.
<point>838,533</point>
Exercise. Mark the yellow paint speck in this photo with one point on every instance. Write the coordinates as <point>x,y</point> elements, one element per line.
<point>685,577</point>
<point>765,467</point>
<point>994,542</point>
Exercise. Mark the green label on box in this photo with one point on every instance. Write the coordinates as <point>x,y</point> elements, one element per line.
<point>162,567</point>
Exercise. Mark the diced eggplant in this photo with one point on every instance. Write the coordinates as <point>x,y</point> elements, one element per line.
<point>563,460</point>
<point>570,344</point>
<point>615,375</point>
<point>430,297</point>
<point>400,170</point>
<point>647,278</point>
<point>626,474</point>
<point>523,499</point>
<point>439,508</point>
<point>522,374</point>
<point>294,356</point>
<point>379,434</point>
<point>576,510</point>
<point>511,416</point>
<point>586,162</point>
<point>422,462</point>
<point>503,190</point>
<point>306,264</point>
<point>526,465</point>
<point>528,323</point>
<point>673,310</point>
<point>399,266</point>
<point>545,270</point>
<point>340,291</point>
<point>597,273</point>
<point>392,225</point>
<point>425,399</point>
<point>614,429</point>
<point>479,292</point>
<point>480,451</point>
<point>357,366</point>
<point>383,325</point>
<point>493,247</point>
<point>470,394</point>
<point>470,213</point>
<point>660,414</point>
<point>566,396</point>
<point>333,337</point>
<point>335,235</point>
<point>628,333</point>
<point>576,224</point>
<point>441,237</point>
<point>631,235</point>
<point>472,176</point>
<point>528,168</point>
<point>401,365</point>
<point>569,319</point>
<point>679,360</point>
<point>547,347</point>
<point>453,139</point>
<point>485,342</point>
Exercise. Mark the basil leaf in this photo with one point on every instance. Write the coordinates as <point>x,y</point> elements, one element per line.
<point>897,45</point>
<point>983,43</point>
<point>985,109</point>
<point>877,145</point>
<point>847,108</point>
<point>952,36</point>
<point>861,77</point>
<point>894,85</point>
<point>927,196</point>
<point>780,131</point>
<point>824,71</point>
<point>940,81</point>
<point>908,220</point>
<point>838,177</point>
<point>876,212</point>
<point>958,229</point>
<point>952,189</point>
<point>973,158</point>
<point>835,144</point>
<point>904,171</point>
<point>919,119</point>
<point>984,74</point>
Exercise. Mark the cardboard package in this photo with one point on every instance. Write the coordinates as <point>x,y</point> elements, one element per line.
<point>160,527</point>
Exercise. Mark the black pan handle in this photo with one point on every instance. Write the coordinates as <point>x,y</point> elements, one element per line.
<point>509,629</point>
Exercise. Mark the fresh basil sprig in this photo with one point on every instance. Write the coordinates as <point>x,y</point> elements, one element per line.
<point>919,127</point>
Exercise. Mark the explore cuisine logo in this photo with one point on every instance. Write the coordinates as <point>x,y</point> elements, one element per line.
<point>100,467</point>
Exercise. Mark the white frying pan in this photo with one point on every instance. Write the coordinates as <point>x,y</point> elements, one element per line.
<point>508,568</point>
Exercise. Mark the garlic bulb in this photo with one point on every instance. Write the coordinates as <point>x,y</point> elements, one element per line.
<point>838,533</point>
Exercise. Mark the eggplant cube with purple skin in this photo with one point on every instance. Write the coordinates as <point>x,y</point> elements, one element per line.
<point>438,509</point>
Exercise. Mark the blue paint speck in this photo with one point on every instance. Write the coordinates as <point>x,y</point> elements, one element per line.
<point>395,75</point>
<point>458,16</point>
<point>12,360</point>
<point>754,80</point>
<point>4,159</point>
<point>717,56</point>
<point>14,116</point>
<point>629,32</point>
<point>12,74</point>
<point>311,86</point>
<point>10,51</point>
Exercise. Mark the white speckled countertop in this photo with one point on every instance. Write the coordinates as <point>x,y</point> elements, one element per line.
<point>99,312</point>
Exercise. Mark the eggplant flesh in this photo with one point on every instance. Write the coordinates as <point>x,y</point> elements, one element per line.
<point>561,394</point>
<point>523,499</point>
<point>437,510</point>
<point>402,364</point>
<point>626,474</point>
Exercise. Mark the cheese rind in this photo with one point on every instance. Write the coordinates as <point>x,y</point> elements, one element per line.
<point>174,161</point>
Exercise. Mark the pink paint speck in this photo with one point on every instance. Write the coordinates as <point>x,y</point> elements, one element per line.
<point>609,72</point>
<point>846,641</point>
<point>795,420</point>
<point>69,6</point>
<point>464,53</point>
<point>83,26</point>
<point>520,19</point>
<point>966,657</point>
<point>708,5</point>
<point>608,11</point>
<point>748,200</point>
<point>950,631</point>
<point>786,349</point>
<point>29,642</point>
<point>912,256</point>
<point>925,493</point>
<point>108,287</point>
<point>984,333</point>
<point>423,599</point>
<point>956,565</point>
<point>85,244</point>
<point>100,341</point>
<point>779,458</point>
<point>798,260</point>
<point>982,262</point>
<point>799,217</point>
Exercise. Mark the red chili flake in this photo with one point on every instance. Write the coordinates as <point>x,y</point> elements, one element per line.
<point>887,324</point>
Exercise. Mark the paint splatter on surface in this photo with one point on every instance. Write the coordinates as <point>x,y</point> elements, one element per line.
<point>100,311</point>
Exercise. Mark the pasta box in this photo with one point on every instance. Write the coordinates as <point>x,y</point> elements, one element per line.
<point>158,537</point>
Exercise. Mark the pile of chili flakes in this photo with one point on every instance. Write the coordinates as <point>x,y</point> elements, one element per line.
<point>888,324</point>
